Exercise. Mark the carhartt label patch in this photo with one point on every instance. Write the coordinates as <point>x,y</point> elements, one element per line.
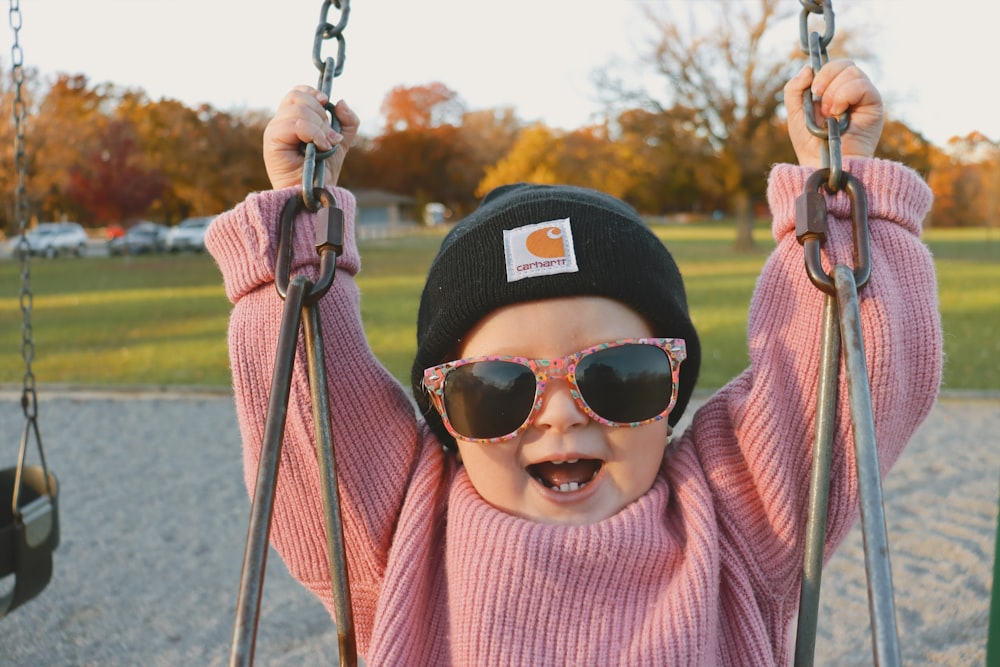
<point>543,249</point>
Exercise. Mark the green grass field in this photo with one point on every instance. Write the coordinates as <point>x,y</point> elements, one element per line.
<point>162,320</point>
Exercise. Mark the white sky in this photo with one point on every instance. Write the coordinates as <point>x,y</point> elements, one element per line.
<point>936,58</point>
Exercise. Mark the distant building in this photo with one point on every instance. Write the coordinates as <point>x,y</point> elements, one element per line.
<point>380,207</point>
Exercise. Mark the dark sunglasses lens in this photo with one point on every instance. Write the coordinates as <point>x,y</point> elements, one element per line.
<point>630,383</point>
<point>488,399</point>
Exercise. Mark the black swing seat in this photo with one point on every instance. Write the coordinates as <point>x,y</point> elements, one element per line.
<point>29,533</point>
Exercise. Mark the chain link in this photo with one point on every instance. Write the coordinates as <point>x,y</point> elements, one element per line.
<point>814,46</point>
<point>29,395</point>
<point>810,218</point>
<point>329,68</point>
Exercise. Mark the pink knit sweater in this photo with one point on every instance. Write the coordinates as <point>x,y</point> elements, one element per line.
<point>702,570</point>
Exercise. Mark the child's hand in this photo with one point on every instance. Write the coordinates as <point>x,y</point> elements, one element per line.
<point>843,87</point>
<point>302,118</point>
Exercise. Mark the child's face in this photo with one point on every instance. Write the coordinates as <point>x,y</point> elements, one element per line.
<point>626,459</point>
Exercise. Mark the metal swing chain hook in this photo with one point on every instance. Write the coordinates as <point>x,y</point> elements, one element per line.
<point>329,240</point>
<point>810,207</point>
<point>329,219</point>
<point>330,68</point>
<point>811,227</point>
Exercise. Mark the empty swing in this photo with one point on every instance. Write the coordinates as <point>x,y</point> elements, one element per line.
<point>29,518</point>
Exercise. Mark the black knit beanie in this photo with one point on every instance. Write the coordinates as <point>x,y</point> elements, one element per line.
<point>584,243</point>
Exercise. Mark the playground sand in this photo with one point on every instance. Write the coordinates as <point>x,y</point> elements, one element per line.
<point>154,512</point>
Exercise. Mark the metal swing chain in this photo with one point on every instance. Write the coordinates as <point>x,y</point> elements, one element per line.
<point>329,68</point>
<point>25,297</point>
<point>300,311</point>
<point>841,304</point>
<point>29,393</point>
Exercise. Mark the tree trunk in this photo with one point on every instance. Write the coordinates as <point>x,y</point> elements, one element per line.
<point>743,211</point>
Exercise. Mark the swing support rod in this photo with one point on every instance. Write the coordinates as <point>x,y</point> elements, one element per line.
<point>819,485</point>
<point>841,288</point>
<point>881,606</point>
<point>841,321</point>
<point>261,512</point>
<point>301,297</point>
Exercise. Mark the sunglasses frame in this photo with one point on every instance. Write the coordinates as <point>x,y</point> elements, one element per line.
<point>549,369</point>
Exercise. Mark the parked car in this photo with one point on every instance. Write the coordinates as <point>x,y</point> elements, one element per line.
<point>52,239</point>
<point>140,238</point>
<point>189,234</point>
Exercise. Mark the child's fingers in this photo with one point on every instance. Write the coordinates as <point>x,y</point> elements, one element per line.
<point>850,89</point>
<point>794,89</point>
<point>828,73</point>
<point>349,123</point>
<point>840,86</point>
<point>843,86</point>
<point>302,117</point>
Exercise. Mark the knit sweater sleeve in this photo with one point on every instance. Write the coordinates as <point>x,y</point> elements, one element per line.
<point>754,437</point>
<point>376,435</point>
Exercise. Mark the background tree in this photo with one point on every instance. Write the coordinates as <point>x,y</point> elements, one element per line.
<point>670,166</point>
<point>900,143</point>
<point>102,154</point>
<point>965,179</point>
<point>532,159</point>
<point>431,148</point>
<point>210,159</point>
<point>719,65</point>
<point>423,164</point>
<point>583,157</point>
<point>488,134</point>
<point>8,175</point>
<point>70,116</point>
<point>417,107</point>
<point>108,180</point>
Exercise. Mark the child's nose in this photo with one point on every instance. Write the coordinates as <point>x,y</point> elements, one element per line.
<point>559,409</point>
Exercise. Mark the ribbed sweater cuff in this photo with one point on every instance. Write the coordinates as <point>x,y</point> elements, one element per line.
<point>244,240</point>
<point>894,192</point>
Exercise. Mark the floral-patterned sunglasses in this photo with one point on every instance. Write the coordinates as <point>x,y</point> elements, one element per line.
<point>491,399</point>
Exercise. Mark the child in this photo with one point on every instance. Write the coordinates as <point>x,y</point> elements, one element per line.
<point>534,510</point>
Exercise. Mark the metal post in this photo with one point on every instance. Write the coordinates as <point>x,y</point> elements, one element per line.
<point>819,486</point>
<point>258,533</point>
<point>336,551</point>
<point>885,640</point>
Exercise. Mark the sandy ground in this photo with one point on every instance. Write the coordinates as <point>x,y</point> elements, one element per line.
<point>154,517</point>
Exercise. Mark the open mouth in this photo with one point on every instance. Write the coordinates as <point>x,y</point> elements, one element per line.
<point>566,476</point>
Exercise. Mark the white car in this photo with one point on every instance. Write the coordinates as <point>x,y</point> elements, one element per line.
<point>189,234</point>
<point>52,239</point>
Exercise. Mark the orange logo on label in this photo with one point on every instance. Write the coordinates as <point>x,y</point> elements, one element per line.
<point>541,249</point>
<point>546,242</point>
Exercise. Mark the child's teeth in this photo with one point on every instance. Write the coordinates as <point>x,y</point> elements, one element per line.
<point>567,486</point>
